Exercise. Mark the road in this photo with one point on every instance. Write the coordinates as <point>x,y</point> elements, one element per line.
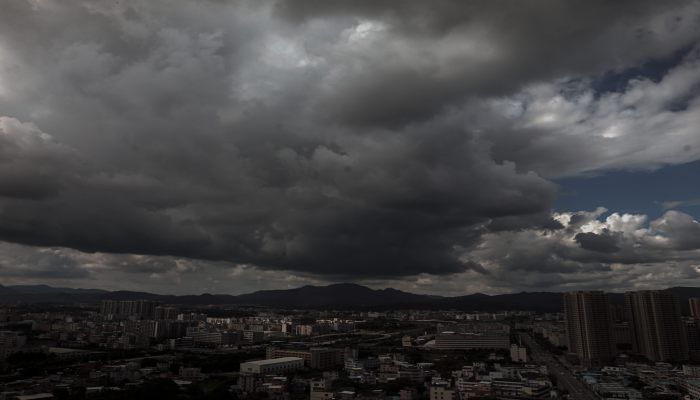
<point>565,378</point>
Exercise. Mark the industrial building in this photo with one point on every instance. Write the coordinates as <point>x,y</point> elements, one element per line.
<point>273,366</point>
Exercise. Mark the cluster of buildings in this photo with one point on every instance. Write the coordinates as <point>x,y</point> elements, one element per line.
<point>466,336</point>
<point>124,309</point>
<point>145,325</point>
<point>553,331</point>
<point>482,380</point>
<point>387,368</point>
<point>489,378</point>
<point>649,325</point>
<point>441,315</point>
<point>322,358</point>
<point>92,377</point>
<point>11,342</point>
<point>617,350</point>
<point>133,324</point>
<point>658,380</point>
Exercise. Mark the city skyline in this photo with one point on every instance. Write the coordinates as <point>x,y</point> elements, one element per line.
<point>442,147</point>
<point>649,347</point>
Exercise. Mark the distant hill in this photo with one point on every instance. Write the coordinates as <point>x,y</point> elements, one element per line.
<point>45,289</point>
<point>535,301</point>
<point>5,290</point>
<point>342,294</point>
<point>339,296</point>
<point>201,299</point>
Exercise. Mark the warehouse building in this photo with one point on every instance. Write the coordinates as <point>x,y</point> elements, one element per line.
<point>273,366</point>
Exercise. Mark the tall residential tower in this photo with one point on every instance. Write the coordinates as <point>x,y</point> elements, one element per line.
<point>694,305</point>
<point>658,332</point>
<point>589,327</point>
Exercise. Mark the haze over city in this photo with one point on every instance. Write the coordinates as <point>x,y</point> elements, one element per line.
<point>438,147</point>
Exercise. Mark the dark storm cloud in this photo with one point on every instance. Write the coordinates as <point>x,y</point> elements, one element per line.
<point>603,243</point>
<point>438,54</point>
<point>382,215</point>
<point>341,139</point>
<point>31,163</point>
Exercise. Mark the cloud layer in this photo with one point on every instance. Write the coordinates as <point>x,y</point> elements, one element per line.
<point>595,249</point>
<point>372,140</point>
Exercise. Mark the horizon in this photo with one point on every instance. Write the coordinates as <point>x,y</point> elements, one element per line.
<point>436,148</point>
<point>348,283</point>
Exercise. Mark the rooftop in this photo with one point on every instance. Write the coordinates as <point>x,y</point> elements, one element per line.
<point>274,361</point>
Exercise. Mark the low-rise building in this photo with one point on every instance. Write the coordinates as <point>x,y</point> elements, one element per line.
<point>443,391</point>
<point>693,387</point>
<point>275,365</point>
<point>465,341</point>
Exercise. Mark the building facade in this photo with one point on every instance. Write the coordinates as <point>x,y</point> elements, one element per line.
<point>589,327</point>
<point>273,366</point>
<point>658,332</point>
<point>694,306</point>
<point>465,341</point>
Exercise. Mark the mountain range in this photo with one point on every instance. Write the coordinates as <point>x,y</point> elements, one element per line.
<point>340,296</point>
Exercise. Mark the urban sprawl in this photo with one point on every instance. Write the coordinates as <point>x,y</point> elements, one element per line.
<point>647,347</point>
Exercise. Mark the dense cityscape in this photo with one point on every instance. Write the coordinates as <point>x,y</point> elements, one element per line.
<point>645,348</point>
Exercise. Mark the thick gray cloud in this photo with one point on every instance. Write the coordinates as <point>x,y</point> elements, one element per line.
<point>333,140</point>
<point>615,252</point>
<point>604,242</point>
<point>648,254</point>
<point>421,57</point>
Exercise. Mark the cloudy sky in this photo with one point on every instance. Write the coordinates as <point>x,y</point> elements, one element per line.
<point>442,146</point>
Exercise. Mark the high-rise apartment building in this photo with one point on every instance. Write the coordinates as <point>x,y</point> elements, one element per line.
<point>589,327</point>
<point>692,333</point>
<point>162,312</point>
<point>109,307</point>
<point>658,332</point>
<point>694,305</point>
<point>143,309</point>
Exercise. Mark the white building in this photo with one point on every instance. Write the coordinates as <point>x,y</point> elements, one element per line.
<point>518,353</point>
<point>691,371</point>
<point>443,392</point>
<point>614,390</point>
<point>274,365</point>
<point>38,396</point>
<point>320,389</point>
<point>693,386</point>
